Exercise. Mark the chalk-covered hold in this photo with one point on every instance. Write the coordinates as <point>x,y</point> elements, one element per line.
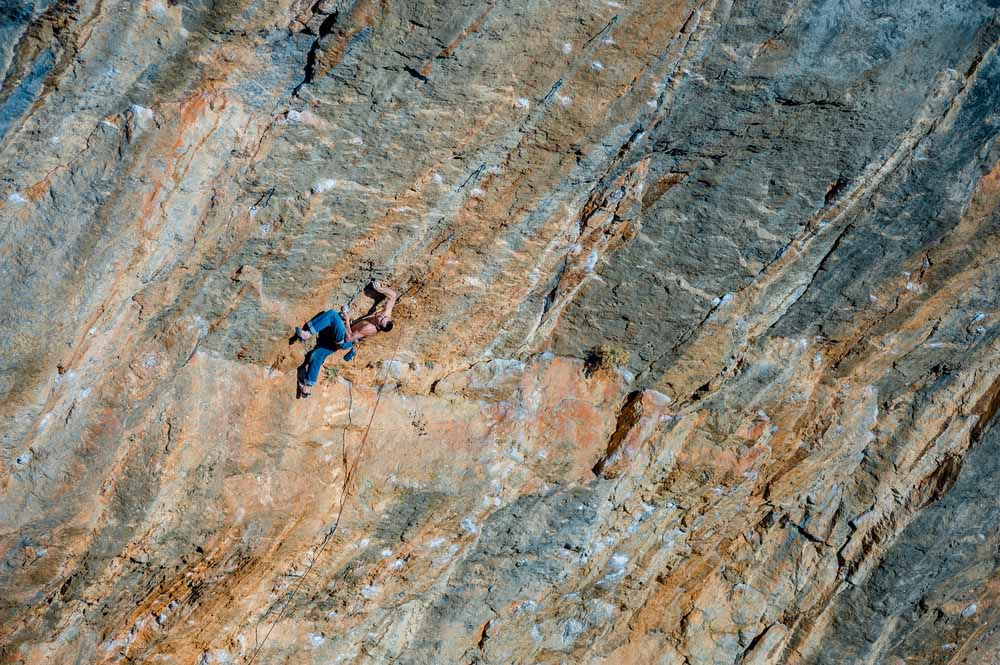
<point>324,186</point>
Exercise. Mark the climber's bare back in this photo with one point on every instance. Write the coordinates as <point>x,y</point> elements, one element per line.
<point>363,328</point>
<point>377,321</point>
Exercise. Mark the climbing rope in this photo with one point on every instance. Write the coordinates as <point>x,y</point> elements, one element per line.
<point>348,477</point>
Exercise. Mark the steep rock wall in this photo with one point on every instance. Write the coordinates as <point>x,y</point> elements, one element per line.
<point>786,214</point>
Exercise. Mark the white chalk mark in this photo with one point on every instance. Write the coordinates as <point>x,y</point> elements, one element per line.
<point>324,186</point>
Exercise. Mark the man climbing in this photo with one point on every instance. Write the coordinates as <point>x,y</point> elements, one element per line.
<point>335,330</point>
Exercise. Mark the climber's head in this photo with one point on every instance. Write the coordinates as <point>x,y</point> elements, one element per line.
<point>383,323</point>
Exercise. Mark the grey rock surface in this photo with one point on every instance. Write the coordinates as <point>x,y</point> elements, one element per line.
<point>696,361</point>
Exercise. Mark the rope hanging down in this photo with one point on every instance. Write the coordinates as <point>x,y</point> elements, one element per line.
<point>348,476</point>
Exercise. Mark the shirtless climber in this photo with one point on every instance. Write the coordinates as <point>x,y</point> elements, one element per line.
<point>335,330</point>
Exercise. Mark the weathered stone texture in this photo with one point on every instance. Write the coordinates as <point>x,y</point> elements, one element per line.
<point>696,363</point>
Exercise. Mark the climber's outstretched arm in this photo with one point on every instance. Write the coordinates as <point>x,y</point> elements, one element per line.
<point>390,298</point>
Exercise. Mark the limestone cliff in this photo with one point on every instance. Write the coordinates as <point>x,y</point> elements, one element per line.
<point>696,362</point>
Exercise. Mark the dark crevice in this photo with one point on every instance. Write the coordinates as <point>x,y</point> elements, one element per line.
<point>801,529</point>
<point>325,28</point>
<point>986,409</point>
<point>628,417</point>
<point>483,636</point>
<point>415,74</point>
<point>818,103</point>
<point>942,479</point>
<point>753,643</point>
<point>550,297</point>
<point>834,191</point>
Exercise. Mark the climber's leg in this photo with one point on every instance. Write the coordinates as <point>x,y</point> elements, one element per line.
<point>317,323</point>
<point>321,321</point>
<point>316,359</point>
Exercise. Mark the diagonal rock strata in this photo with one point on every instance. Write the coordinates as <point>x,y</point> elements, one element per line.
<point>781,217</point>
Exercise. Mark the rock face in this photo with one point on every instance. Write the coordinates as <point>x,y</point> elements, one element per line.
<point>696,362</point>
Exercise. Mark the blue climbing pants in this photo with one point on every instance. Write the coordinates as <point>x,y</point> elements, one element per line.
<point>325,320</point>
<point>330,335</point>
<point>316,359</point>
